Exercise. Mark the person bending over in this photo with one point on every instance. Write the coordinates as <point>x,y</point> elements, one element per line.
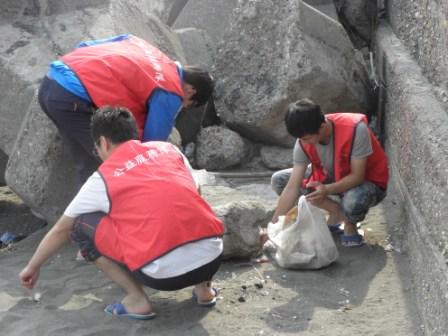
<point>126,71</point>
<point>139,218</point>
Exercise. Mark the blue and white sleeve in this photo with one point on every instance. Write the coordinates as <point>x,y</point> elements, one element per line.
<point>163,108</point>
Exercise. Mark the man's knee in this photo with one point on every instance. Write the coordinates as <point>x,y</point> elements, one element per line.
<point>280,179</point>
<point>81,234</point>
<point>357,201</point>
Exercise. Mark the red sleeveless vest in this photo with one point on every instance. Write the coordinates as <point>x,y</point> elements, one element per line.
<point>154,205</point>
<point>124,73</point>
<point>344,126</point>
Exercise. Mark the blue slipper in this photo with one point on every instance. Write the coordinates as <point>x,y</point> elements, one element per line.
<point>336,228</point>
<point>118,309</point>
<point>210,303</point>
<point>355,240</point>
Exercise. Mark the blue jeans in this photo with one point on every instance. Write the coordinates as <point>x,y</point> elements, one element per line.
<point>356,202</point>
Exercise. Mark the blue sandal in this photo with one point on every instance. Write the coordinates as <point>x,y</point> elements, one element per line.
<point>336,228</point>
<point>355,240</point>
<point>118,309</point>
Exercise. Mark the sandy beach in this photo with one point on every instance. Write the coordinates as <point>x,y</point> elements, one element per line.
<point>366,292</point>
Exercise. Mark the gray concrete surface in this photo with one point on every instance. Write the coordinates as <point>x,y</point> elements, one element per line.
<point>416,133</point>
<point>423,28</point>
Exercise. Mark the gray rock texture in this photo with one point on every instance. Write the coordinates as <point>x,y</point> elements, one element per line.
<point>33,34</point>
<point>219,148</point>
<point>276,157</point>
<point>40,168</point>
<point>242,215</point>
<point>357,17</point>
<point>417,143</point>
<point>270,58</point>
<point>197,47</point>
<point>422,26</point>
<point>212,16</point>
<point>325,6</point>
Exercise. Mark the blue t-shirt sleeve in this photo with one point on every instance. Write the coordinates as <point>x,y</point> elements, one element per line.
<point>101,41</point>
<point>162,111</point>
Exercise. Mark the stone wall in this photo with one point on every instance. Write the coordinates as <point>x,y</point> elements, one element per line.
<point>423,27</point>
<point>416,138</point>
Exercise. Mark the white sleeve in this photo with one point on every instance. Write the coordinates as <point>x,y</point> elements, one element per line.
<point>190,169</point>
<point>92,197</point>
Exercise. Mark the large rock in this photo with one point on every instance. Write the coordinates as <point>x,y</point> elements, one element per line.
<point>242,215</point>
<point>197,47</point>
<point>358,18</point>
<point>33,34</point>
<point>276,157</point>
<point>276,52</point>
<point>40,168</point>
<point>325,6</point>
<point>210,15</point>
<point>220,148</point>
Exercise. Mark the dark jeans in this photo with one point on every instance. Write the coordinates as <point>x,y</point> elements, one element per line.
<point>356,202</point>
<point>83,233</point>
<point>71,115</point>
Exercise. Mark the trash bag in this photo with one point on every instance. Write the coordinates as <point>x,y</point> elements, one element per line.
<point>302,242</point>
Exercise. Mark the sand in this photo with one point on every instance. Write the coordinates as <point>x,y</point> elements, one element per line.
<point>366,292</point>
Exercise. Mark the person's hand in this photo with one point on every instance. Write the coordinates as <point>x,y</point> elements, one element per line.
<point>319,193</point>
<point>28,277</point>
<point>263,236</point>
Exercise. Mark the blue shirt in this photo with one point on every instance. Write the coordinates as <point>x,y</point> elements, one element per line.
<point>162,106</point>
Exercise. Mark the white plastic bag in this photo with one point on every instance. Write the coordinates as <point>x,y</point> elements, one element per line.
<point>305,244</point>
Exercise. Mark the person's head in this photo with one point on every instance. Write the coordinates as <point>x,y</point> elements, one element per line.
<point>304,120</point>
<point>198,86</point>
<point>111,126</point>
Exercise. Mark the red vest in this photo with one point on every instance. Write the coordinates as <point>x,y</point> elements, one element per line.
<point>154,205</point>
<point>344,126</point>
<point>124,73</point>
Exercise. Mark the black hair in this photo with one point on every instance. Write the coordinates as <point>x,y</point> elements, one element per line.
<point>115,123</point>
<point>201,80</point>
<point>303,117</point>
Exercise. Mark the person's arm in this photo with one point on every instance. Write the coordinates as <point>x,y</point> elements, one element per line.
<point>355,178</point>
<point>362,148</point>
<point>291,192</point>
<point>163,108</point>
<point>50,244</point>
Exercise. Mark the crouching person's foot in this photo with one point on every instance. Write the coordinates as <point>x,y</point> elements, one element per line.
<point>133,307</point>
<point>351,237</point>
<point>205,295</point>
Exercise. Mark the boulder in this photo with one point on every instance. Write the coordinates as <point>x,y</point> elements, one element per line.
<point>276,157</point>
<point>212,16</point>
<point>327,7</point>
<point>242,215</point>
<point>219,148</point>
<point>357,17</point>
<point>270,58</point>
<point>197,47</point>
<point>40,170</point>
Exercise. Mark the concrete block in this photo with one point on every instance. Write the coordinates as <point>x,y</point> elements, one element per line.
<point>197,47</point>
<point>416,132</point>
<point>209,15</point>
<point>277,52</point>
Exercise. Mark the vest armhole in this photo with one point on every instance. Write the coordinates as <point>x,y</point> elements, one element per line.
<point>107,191</point>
